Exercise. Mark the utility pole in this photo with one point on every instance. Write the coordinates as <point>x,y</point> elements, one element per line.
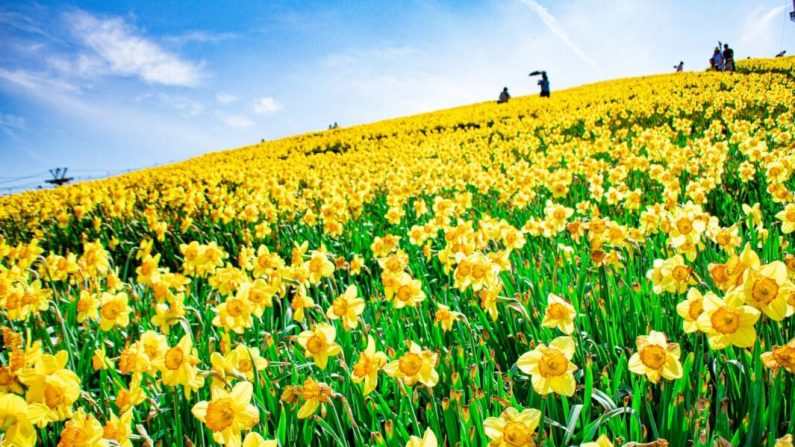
<point>59,177</point>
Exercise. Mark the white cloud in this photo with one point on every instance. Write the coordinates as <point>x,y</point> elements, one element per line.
<point>225,98</point>
<point>266,106</point>
<point>237,121</point>
<point>117,48</point>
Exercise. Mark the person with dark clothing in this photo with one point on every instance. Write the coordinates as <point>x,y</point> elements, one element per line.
<point>504,96</point>
<point>680,66</point>
<point>728,57</point>
<point>544,83</point>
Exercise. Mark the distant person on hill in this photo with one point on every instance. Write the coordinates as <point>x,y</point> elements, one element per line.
<point>680,66</point>
<point>717,60</point>
<point>544,83</point>
<point>728,57</point>
<point>504,96</point>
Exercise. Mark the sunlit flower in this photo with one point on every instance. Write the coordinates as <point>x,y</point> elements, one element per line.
<point>602,441</point>
<point>671,275</point>
<point>785,441</point>
<point>178,366</point>
<point>87,306</point>
<point>52,389</point>
<point>119,429</point>
<point>512,428</point>
<point>446,317</point>
<point>768,289</point>
<point>256,440</point>
<point>559,314</point>
<point>428,440</point>
<point>16,428</point>
<point>550,367</point>
<point>417,365</point>
<point>347,307</point>
<point>241,361</point>
<point>728,322</point>
<point>114,311</point>
<point>134,395</point>
<point>691,309</point>
<point>408,291</point>
<point>367,367</point>
<point>228,414</point>
<point>83,430</point>
<point>299,304</point>
<point>234,314</point>
<point>656,358</point>
<point>319,267</point>
<point>315,395</point>
<point>781,357</point>
<point>787,218</point>
<point>319,345</point>
<point>356,265</point>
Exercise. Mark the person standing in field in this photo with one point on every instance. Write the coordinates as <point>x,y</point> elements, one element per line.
<point>544,83</point>
<point>504,96</point>
<point>680,66</point>
<point>728,57</point>
<point>716,61</point>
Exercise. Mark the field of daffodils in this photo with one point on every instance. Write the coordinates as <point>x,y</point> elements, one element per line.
<point>613,266</point>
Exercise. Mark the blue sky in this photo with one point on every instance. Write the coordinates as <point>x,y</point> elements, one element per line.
<point>103,87</point>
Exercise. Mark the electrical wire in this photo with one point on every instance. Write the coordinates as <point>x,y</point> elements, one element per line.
<point>24,177</point>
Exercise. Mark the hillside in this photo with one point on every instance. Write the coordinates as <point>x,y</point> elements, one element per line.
<point>614,261</point>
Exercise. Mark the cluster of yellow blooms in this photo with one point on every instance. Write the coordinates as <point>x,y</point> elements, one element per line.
<point>209,276</point>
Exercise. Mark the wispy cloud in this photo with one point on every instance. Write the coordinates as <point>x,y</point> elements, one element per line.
<point>761,25</point>
<point>266,106</point>
<point>225,98</point>
<point>22,22</point>
<point>11,124</point>
<point>183,105</point>
<point>10,121</point>
<point>116,47</point>
<point>236,121</point>
<point>198,37</point>
<point>554,26</point>
<point>35,80</point>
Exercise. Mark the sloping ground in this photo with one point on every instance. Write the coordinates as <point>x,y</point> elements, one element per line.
<point>612,261</point>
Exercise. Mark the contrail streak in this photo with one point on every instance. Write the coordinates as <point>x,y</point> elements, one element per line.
<point>552,23</point>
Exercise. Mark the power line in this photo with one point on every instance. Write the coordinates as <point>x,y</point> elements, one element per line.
<point>24,177</point>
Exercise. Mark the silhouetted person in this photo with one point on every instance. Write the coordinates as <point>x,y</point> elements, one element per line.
<point>728,57</point>
<point>680,66</point>
<point>504,96</point>
<point>544,83</point>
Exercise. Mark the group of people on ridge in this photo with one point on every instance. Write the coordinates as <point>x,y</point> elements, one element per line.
<point>722,61</point>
